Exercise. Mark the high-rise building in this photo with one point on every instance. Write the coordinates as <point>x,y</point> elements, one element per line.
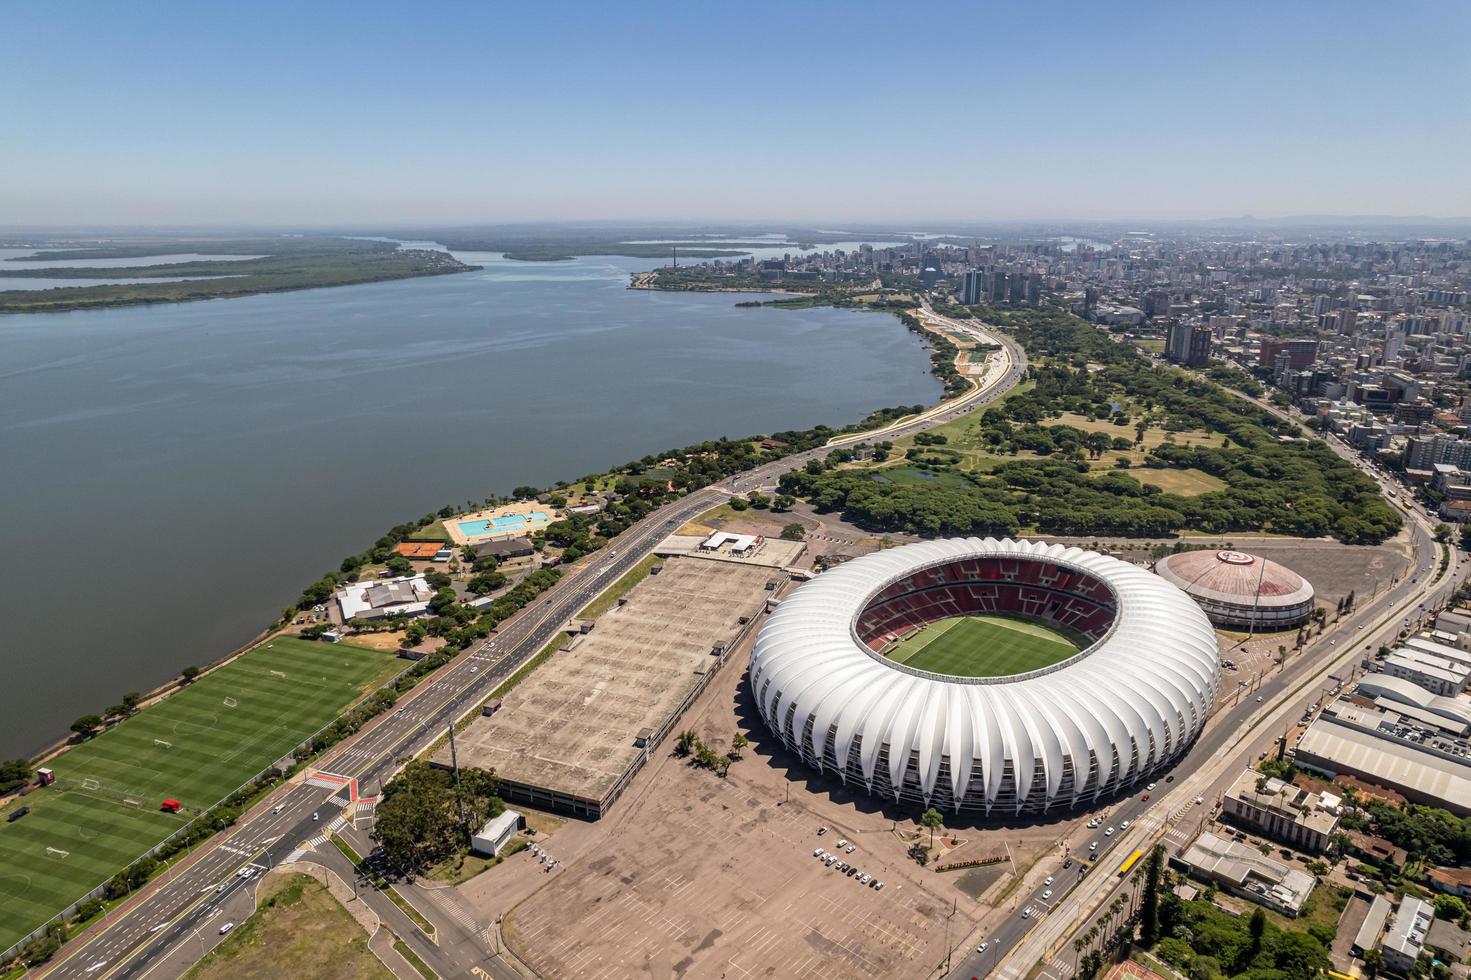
<point>1188,344</point>
<point>973,287</point>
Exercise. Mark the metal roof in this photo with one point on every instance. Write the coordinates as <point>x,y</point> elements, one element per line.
<point>1132,700</point>
<point>1235,577</point>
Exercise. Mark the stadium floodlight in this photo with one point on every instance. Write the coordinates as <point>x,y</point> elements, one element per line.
<point>1010,733</point>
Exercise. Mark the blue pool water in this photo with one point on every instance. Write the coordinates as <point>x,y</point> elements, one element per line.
<point>507,522</point>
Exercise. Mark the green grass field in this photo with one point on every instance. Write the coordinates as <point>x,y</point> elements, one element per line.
<point>213,750</point>
<point>983,646</point>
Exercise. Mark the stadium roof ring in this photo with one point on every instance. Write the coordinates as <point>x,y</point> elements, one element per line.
<point>1121,708</point>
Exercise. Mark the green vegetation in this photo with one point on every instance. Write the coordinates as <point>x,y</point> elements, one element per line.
<point>1206,942</point>
<point>191,747</point>
<point>286,264</point>
<point>373,873</point>
<point>983,646</point>
<point>1208,463</point>
<point>299,930</point>
<point>418,819</point>
<point>414,959</point>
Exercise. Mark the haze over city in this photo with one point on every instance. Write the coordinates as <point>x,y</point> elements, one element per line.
<point>289,114</point>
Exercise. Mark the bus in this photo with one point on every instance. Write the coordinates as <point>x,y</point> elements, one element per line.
<point>1128,865</point>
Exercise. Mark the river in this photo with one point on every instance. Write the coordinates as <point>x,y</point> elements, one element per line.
<point>175,474</point>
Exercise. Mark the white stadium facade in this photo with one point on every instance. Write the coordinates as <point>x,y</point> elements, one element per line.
<point>1116,713</point>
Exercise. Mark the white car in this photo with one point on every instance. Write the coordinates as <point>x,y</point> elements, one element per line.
<point>1108,832</point>
<point>817,852</point>
<point>226,927</point>
<point>1048,881</point>
<point>981,948</point>
<point>1027,912</point>
<point>1124,825</point>
<point>1150,786</point>
<point>821,831</point>
<point>842,843</point>
<point>852,848</point>
<point>1093,846</point>
<point>1047,894</point>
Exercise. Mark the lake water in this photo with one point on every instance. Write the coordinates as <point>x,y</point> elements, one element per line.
<point>175,474</point>
<point>13,255</point>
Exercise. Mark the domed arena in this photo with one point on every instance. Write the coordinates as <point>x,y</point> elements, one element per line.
<point>996,677</point>
<point>1240,590</point>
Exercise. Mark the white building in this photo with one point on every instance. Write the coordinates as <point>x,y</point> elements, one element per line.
<point>384,597</point>
<point>1406,937</point>
<point>1434,673</point>
<point>496,833</point>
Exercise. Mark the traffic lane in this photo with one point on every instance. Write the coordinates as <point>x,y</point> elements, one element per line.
<point>450,691</point>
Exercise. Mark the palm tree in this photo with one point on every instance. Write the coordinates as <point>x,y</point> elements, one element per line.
<point>932,819</point>
<point>1077,953</point>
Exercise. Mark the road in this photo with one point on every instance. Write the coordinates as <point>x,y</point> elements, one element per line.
<point>180,907</point>
<point>1232,740</point>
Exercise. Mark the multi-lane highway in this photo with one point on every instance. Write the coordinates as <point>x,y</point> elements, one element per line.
<point>182,906</point>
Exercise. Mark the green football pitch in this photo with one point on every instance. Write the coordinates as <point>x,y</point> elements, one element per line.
<point>983,646</point>
<point>197,746</point>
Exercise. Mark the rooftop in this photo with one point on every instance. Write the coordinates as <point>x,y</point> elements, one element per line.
<point>1235,577</point>
<point>1249,871</point>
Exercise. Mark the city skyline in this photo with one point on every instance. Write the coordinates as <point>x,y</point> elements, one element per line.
<point>761,113</point>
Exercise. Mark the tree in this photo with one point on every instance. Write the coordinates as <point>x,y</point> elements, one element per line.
<point>1449,907</point>
<point>1442,532</point>
<point>189,673</point>
<point>399,565</point>
<point>738,741</point>
<point>1373,960</point>
<point>87,724</point>
<point>793,532</point>
<point>1149,906</point>
<point>686,743</point>
<point>131,700</point>
<point>15,774</point>
<point>1256,927</point>
<point>932,819</point>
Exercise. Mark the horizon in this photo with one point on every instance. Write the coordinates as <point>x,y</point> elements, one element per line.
<point>1011,113</point>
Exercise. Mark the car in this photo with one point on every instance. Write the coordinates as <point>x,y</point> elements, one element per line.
<point>1145,798</point>
<point>1068,863</point>
<point>17,814</point>
<point>278,807</point>
<point>1124,825</point>
<point>1047,894</point>
<point>1361,626</point>
<point>1150,786</point>
<point>1093,846</point>
<point>830,860</point>
<point>852,848</point>
<point>1048,881</point>
<point>1108,832</point>
<point>226,927</point>
<point>1091,857</point>
<point>1170,778</point>
<point>316,816</point>
<point>842,843</point>
<point>981,948</point>
<point>1258,699</point>
<point>866,878</point>
<point>817,852</point>
<point>1027,912</point>
<point>878,885</point>
<point>821,831</point>
<point>1199,800</point>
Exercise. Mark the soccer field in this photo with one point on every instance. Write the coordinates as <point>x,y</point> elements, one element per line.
<point>197,746</point>
<point>983,646</point>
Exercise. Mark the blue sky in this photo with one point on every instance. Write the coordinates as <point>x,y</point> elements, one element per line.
<point>323,113</point>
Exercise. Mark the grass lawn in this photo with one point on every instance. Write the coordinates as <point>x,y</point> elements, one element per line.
<point>299,930</point>
<point>983,646</point>
<point>1186,482</point>
<point>212,750</point>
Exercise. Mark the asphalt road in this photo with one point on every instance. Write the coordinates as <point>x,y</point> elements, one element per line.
<point>1233,739</point>
<point>182,906</point>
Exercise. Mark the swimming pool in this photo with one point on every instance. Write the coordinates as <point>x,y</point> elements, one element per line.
<point>504,524</point>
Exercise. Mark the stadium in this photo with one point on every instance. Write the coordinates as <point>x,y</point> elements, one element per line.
<point>1240,590</point>
<point>1056,676</point>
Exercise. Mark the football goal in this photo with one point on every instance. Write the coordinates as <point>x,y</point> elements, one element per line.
<point>278,673</point>
<point>57,852</point>
<point>162,744</point>
<point>231,703</point>
<point>132,803</point>
<point>90,783</point>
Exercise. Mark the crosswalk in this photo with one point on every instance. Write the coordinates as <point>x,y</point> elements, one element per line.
<point>332,828</point>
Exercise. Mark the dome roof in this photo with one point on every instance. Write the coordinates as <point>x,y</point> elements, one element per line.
<point>1092,724</point>
<point>1236,578</point>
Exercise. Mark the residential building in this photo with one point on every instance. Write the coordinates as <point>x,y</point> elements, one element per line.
<point>1246,872</point>
<point>1188,344</point>
<point>1405,939</point>
<point>1283,811</point>
<point>1438,675</point>
<point>1372,928</point>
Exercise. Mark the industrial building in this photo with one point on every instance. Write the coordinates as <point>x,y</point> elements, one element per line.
<point>1437,674</point>
<point>1283,811</point>
<point>407,596</point>
<point>1240,591</point>
<point>1420,761</point>
<point>1246,872</point>
<point>1111,716</point>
